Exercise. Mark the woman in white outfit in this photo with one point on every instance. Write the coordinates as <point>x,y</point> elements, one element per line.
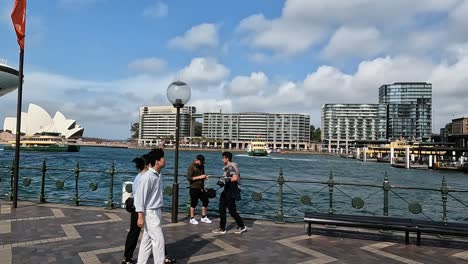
<point>148,204</point>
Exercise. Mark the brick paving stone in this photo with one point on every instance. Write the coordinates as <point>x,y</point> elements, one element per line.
<point>77,234</point>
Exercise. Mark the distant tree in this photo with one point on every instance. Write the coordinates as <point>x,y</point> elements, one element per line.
<point>198,129</point>
<point>135,129</point>
<point>315,134</point>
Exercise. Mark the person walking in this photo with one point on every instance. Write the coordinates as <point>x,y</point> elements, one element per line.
<point>148,204</point>
<point>134,232</point>
<point>196,176</point>
<point>132,236</point>
<point>230,194</point>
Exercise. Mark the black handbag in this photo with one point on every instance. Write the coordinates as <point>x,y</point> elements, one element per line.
<point>211,193</point>
<point>129,205</point>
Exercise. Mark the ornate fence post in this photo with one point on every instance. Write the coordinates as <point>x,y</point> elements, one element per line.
<point>386,188</point>
<point>76,200</point>
<point>280,214</point>
<point>12,173</point>
<point>444,191</point>
<point>110,201</point>
<point>42,194</point>
<point>331,183</point>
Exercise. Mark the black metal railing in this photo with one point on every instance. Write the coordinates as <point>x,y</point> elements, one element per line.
<point>268,197</point>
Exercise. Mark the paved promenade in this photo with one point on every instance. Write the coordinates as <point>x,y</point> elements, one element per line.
<point>52,233</point>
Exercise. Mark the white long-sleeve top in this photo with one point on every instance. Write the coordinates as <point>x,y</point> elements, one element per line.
<point>136,183</point>
<point>149,194</point>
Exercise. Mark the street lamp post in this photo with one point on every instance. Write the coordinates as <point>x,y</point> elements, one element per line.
<point>178,93</point>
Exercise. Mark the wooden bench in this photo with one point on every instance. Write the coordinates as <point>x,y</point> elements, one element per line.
<point>387,223</point>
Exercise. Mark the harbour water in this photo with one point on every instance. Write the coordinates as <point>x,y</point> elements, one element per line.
<point>259,176</point>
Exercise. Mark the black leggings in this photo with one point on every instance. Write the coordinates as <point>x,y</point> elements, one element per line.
<point>132,236</point>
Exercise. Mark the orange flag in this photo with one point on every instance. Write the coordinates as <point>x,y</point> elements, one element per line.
<point>18,16</point>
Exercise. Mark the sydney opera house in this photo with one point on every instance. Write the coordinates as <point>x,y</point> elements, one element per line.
<point>37,121</point>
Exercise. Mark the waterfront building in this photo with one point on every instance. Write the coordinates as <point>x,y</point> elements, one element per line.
<point>37,121</point>
<point>460,132</point>
<point>409,110</point>
<point>158,123</point>
<point>237,130</point>
<point>344,124</point>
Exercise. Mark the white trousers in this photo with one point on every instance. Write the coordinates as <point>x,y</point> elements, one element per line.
<point>153,238</point>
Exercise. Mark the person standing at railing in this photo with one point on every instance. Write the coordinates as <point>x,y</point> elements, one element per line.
<point>148,204</point>
<point>134,232</point>
<point>196,176</point>
<point>230,194</point>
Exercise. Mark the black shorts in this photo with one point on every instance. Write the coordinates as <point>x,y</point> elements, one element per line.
<point>195,195</point>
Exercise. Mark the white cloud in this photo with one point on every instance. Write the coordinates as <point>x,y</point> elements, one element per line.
<point>285,37</point>
<point>94,104</point>
<point>201,36</point>
<point>203,73</point>
<point>247,85</point>
<point>304,24</point>
<point>147,65</point>
<point>330,85</point>
<point>345,41</point>
<point>157,10</point>
<point>212,105</point>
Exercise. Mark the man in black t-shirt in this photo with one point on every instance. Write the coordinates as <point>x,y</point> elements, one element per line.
<point>230,194</point>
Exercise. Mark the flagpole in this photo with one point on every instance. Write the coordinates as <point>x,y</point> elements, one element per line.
<point>18,130</point>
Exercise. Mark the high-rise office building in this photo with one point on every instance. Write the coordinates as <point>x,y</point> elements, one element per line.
<point>345,123</point>
<point>409,109</point>
<point>157,122</point>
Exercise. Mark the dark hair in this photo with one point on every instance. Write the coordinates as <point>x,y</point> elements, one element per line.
<point>228,155</point>
<point>139,163</point>
<point>201,158</point>
<point>154,155</point>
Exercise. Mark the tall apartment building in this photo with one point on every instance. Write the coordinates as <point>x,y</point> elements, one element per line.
<point>157,122</point>
<point>345,123</point>
<point>278,130</point>
<point>409,109</point>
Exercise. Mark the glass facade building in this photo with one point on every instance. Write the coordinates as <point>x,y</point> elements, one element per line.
<point>408,109</point>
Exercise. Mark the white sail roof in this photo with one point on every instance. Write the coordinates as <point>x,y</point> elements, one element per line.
<point>37,120</point>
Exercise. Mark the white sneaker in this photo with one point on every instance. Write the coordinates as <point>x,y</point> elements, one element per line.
<point>194,221</point>
<point>206,220</point>
<point>241,230</point>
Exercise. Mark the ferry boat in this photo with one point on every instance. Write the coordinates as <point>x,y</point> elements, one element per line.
<point>8,78</point>
<point>46,142</point>
<point>258,148</point>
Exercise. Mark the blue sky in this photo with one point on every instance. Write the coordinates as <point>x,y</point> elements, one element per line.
<point>97,61</point>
